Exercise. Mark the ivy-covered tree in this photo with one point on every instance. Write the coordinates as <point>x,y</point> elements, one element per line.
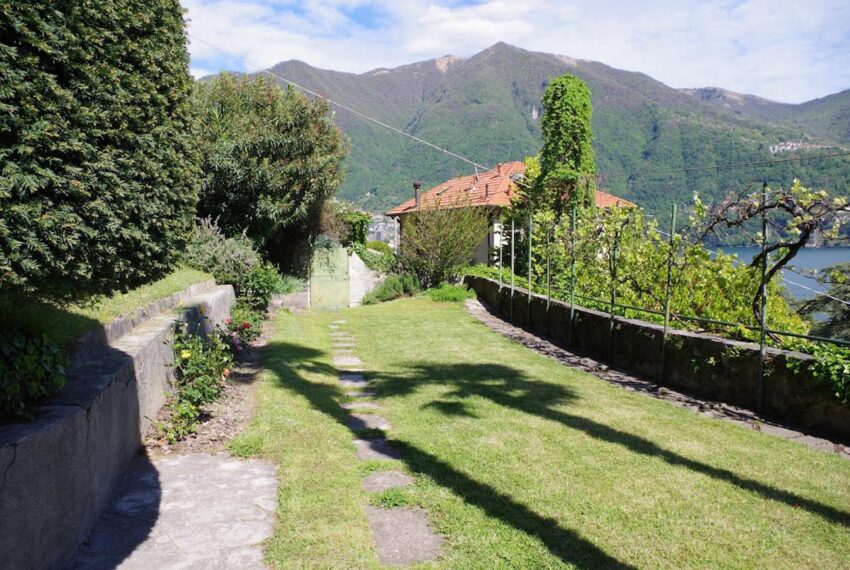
<point>98,162</point>
<point>271,158</point>
<point>567,167</point>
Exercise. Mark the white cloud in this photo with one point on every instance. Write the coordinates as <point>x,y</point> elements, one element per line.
<point>783,50</point>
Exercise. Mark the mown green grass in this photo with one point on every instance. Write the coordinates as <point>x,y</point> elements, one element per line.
<point>523,463</point>
<point>63,323</point>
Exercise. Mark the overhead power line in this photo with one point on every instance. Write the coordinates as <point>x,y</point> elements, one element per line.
<point>342,106</point>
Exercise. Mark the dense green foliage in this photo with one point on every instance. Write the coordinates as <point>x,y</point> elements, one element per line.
<point>837,323</point>
<point>436,243</point>
<point>376,260</point>
<point>831,364</point>
<point>487,108</point>
<point>450,293</point>
<point>393,287</point>
<point>344,223</point>
<point>567,167</point>
<point>232,260</point>
<point>622,252</point>
<point>98,161</point>
<point>200,366</point>
<point>245,324</point>
<point>271,158</point>
<point>31,368</point>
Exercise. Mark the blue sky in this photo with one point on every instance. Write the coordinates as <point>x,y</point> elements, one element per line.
<point>784,50</point>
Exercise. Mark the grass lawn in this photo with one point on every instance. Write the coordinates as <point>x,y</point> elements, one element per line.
<point>61,324</point>
<point>523,463</point>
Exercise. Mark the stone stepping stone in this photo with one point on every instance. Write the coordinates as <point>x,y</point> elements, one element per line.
<point>383,480</point>
<point>367,421</point>
<point>379,449</point>
<point>339,322</point>
<point>362,394</point>
<point>403,536</point>
<point>342,344</point>
<point>345,360</point>
<point>341,334</point>
<point>353,380</point>
<point>361,405</point>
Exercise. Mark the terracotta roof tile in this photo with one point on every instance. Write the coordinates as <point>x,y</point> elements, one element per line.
<point>493,188</point>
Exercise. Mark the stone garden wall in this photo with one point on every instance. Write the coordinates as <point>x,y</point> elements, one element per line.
<point>57,472</point>
<point>704,365</point>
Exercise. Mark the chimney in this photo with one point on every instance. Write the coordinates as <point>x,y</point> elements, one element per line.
<point>499,167</point>
<point>416,186</point>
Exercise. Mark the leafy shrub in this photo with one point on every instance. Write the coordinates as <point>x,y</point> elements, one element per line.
<point>259,285</point>
<point>30,368</point>
<point>380,247</point>
<point>245,324</point>
<point>270,159</point>
<point>438,241</point>
<point>448,293</point>
<point>291,284</point>
<point>393,287</point>
<point>200,367</point>
<point>99,159</point>
<point>344,223</point>
<point>832,364</point>
<point>233,261</point>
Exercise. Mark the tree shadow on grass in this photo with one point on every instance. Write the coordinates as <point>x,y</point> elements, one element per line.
<point>567,545</point>
<point>512,388</point>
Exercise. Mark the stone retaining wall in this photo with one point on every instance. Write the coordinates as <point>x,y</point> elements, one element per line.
<point>58,472</point>
<point>703,365</point>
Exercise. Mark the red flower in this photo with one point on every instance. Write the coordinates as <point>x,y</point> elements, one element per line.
<point>246,325</point>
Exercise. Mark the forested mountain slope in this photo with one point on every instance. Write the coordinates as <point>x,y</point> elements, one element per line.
<point>487,108</point>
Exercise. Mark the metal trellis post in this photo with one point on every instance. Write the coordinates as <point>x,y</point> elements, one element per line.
<point>572,273</point>
<point>530,227</point>
<point>763,292</point>
<point>613,267</point>
<point>513,267</point>
<point>668,293</point>
<point>501,248</point>
<point>548,268</point>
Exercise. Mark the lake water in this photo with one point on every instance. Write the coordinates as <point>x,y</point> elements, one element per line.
<point>807,258</point>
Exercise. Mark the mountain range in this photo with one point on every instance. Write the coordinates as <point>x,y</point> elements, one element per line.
<point>487,108</point>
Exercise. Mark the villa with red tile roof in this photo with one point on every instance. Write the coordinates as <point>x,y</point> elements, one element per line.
<point>493,189</point>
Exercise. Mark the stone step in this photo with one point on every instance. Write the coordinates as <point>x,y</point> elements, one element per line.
<point>379,449</point>
<point>367,421</point>
<point>383,480</point>
<point>403,536</point>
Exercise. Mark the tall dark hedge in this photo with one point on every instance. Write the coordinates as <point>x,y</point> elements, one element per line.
<point>97,189</point>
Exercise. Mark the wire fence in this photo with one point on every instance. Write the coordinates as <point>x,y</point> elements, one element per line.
<point>612,304</point>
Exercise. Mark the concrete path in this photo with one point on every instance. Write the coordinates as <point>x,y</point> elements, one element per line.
<point>402,535</point>
<point>185,511</point>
